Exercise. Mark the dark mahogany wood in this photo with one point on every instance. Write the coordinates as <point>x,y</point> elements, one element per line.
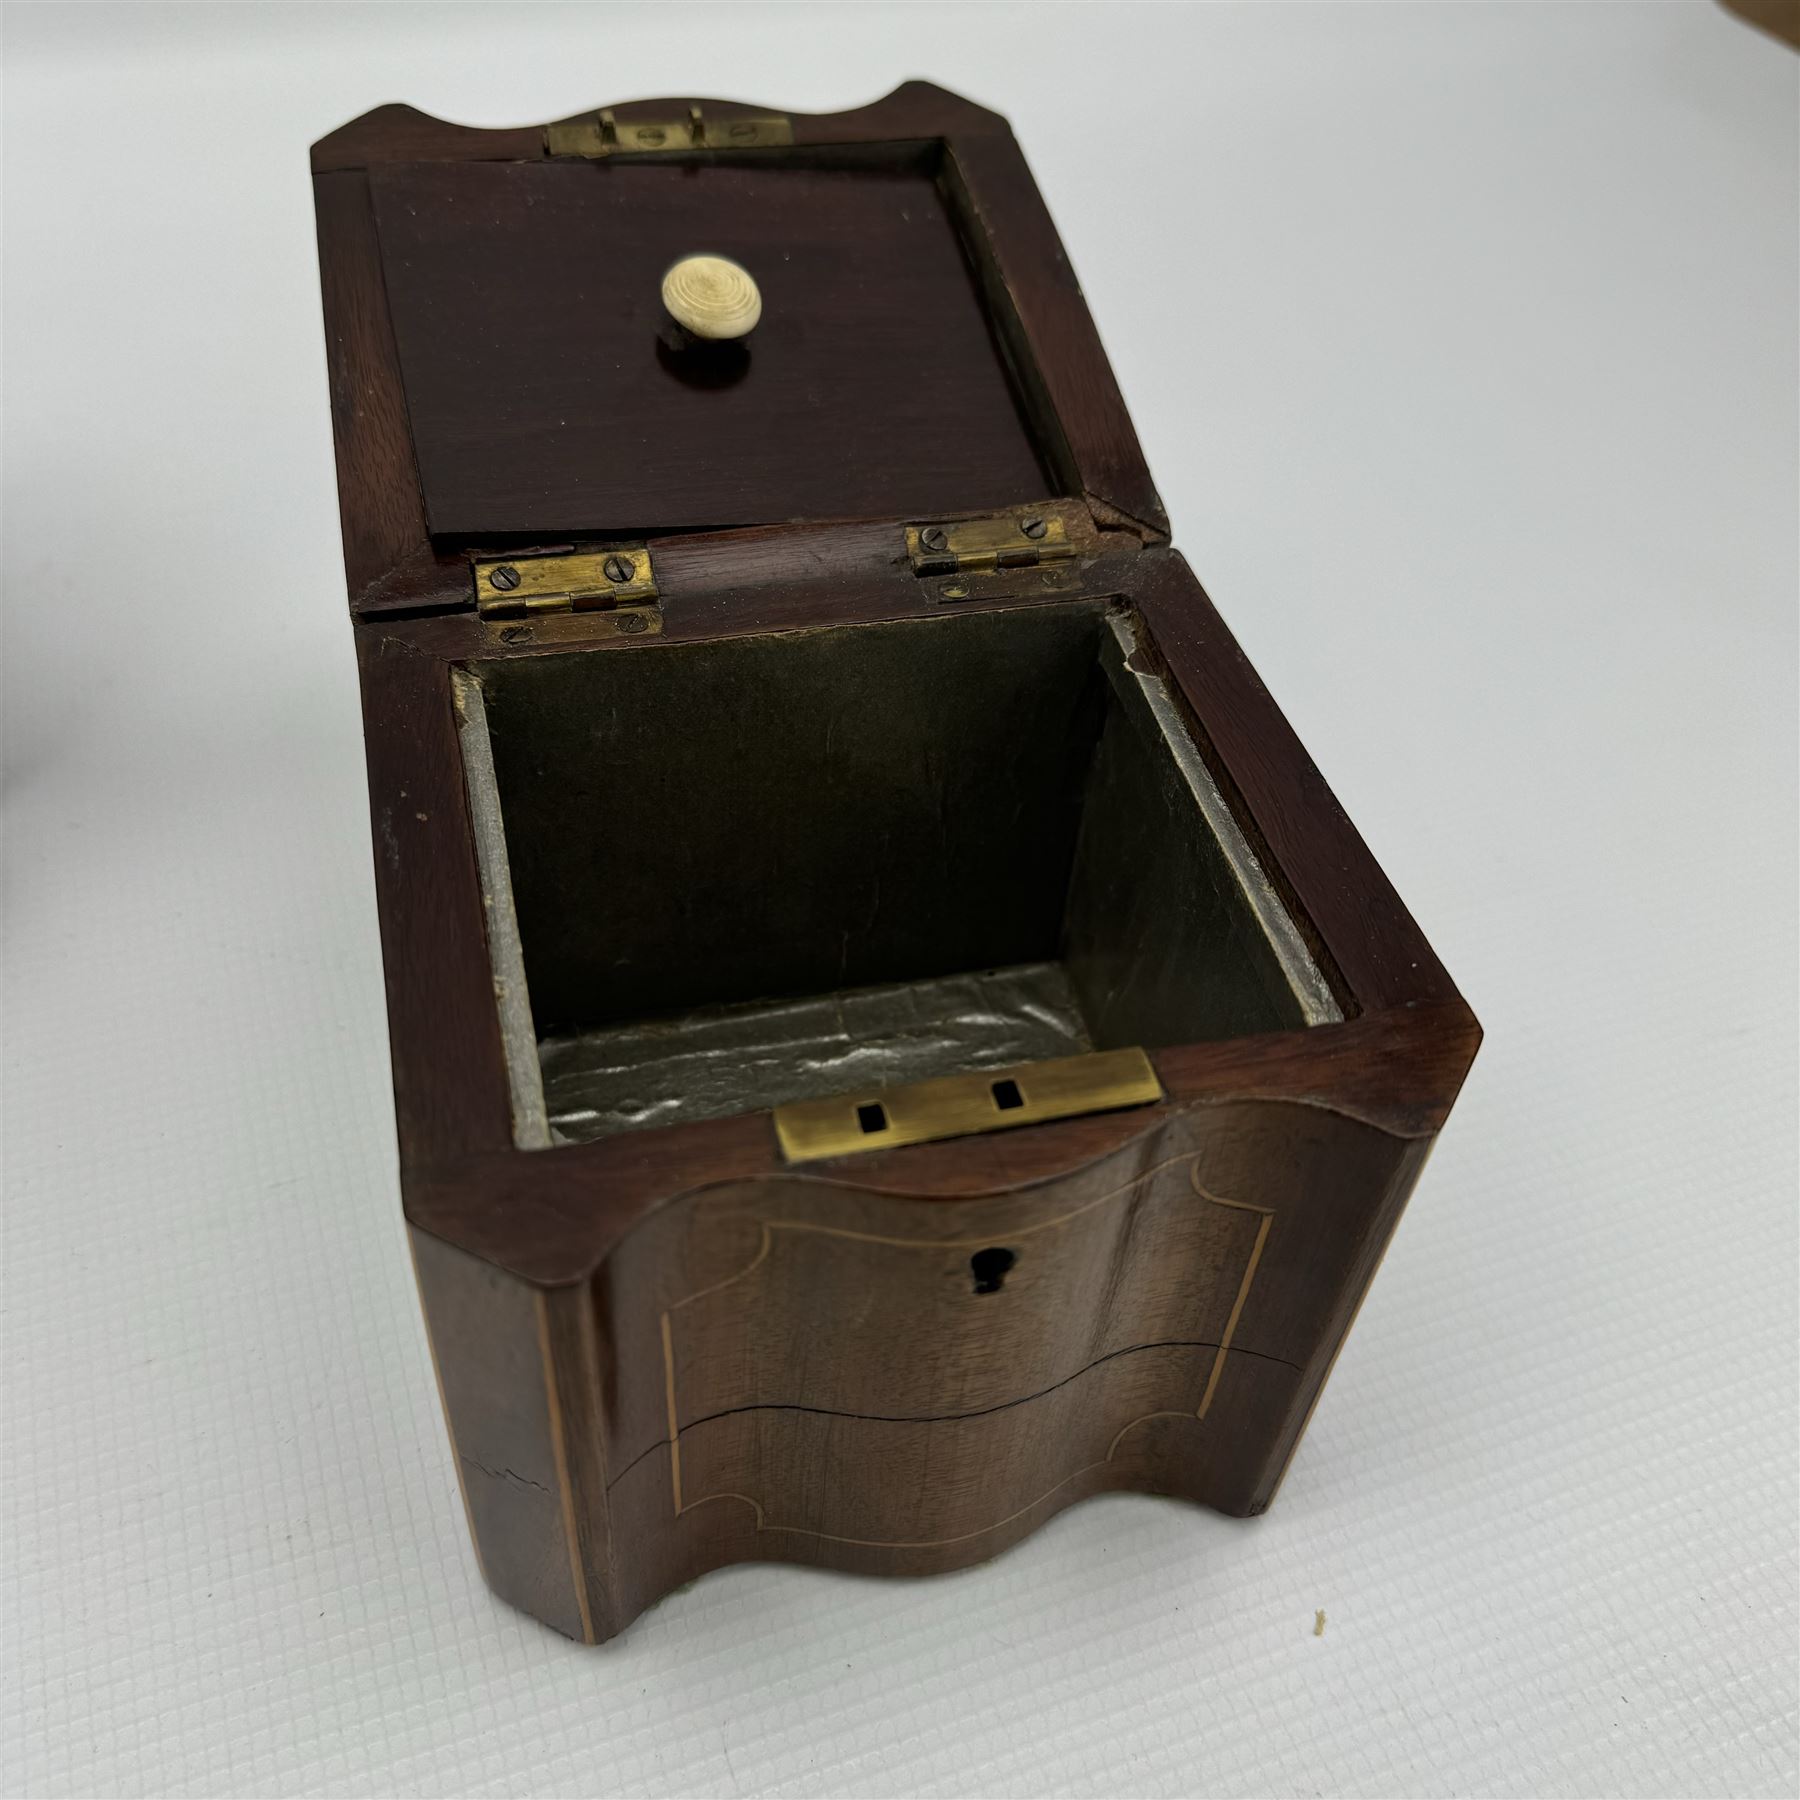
<point>387,555</point>
<point>1031,270</point>
<point>626,1332</point>
<point>1075,420</point>
<point>525,299</point>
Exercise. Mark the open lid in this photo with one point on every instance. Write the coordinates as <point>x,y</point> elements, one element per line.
<point>505,375</point>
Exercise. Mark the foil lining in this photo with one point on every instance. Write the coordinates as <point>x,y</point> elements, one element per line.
<point>719,1061</point>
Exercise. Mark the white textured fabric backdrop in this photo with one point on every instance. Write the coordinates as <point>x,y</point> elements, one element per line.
<point>1462,344</point>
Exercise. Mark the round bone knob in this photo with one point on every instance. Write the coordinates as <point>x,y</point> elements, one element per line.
<point>712,297</point>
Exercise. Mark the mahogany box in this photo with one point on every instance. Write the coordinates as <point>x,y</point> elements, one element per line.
<point>891,1033</point>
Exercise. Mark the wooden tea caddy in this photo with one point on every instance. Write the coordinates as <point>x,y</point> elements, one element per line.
<point>891,1033</point>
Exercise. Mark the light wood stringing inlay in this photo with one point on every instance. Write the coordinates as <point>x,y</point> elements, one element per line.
<point>1265,1219</point>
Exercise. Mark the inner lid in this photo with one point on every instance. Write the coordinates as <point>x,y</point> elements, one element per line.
<point>546,402</point>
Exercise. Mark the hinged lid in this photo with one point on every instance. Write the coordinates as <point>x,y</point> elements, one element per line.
<point>506,376</point>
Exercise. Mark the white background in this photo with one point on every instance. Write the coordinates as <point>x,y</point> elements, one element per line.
<point>1462,343</point>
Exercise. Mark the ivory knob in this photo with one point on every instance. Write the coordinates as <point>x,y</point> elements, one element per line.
<point>712,297</point>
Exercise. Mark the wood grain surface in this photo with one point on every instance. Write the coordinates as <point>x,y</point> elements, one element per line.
<point>668,1350</point>
<point>526,302</point>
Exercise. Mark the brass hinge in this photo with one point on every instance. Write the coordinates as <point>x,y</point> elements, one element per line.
<point>512,587</point>
<point>603,135</point>
<point>1010,541</point>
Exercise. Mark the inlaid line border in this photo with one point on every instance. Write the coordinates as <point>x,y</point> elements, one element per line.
<point>766,1244</point>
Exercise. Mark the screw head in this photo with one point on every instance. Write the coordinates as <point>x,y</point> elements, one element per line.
<point>505,578</point>
<point>1033,528</point>
<point>618,568</point>
<point>630,624</point>
<point>954,590</point>
<point>934,537</point>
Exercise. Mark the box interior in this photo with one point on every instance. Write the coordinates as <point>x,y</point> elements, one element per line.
<point>722,876</point>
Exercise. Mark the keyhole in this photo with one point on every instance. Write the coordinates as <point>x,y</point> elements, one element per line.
<point>989,1269</point>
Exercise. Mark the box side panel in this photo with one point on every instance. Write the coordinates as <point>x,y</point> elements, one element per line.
<point>809,1371</point>
<point>492,1346</point>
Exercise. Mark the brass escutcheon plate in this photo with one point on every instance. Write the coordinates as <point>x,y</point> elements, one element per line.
<point>960,1105</point>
